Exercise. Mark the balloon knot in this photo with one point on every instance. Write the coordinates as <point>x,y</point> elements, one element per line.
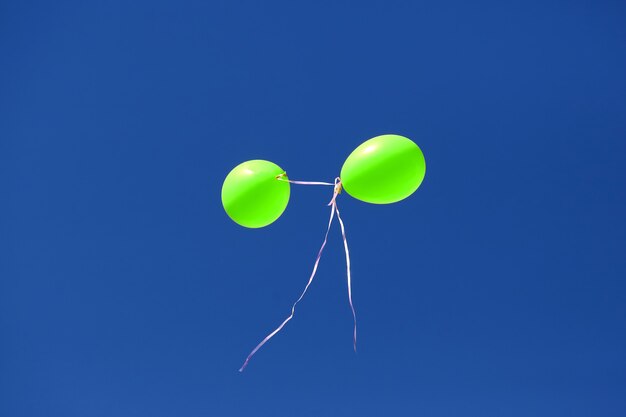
<point>338,186</point>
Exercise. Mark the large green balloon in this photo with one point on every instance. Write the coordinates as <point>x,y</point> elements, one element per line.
<point>251,194</point>
<point>383,170</point>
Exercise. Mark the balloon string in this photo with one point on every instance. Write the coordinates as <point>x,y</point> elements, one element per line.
<point>293,307</point>
<point>282,176</point>
<point>345,245</point>
<point>333,204</point>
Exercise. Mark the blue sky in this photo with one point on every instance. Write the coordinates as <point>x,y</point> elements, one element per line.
<point>497,289</point>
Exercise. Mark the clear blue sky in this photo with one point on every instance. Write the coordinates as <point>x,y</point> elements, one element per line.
<point>498,289</point>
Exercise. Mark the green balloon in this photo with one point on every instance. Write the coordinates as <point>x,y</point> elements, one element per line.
<point>251,194</point>
<point>383,170</point>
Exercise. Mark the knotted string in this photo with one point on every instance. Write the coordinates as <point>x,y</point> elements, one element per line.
<point>333,204</point>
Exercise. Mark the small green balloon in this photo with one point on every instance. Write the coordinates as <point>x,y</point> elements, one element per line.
<point>252,195</point>
<point>383,170</point>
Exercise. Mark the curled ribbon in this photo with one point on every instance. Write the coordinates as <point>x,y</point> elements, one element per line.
<point>334,209</point>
